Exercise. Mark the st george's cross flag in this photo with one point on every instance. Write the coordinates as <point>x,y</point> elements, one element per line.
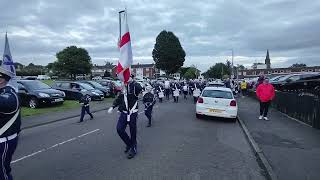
<point>125,60</point>
<point>7,63</point>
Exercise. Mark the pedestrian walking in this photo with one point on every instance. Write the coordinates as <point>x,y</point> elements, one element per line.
<point>185,90</point>
<point>160,92</point>
<point>243,87</point>
<point>148,101</point>
<point>127,103</point>
<point>167,89</point>
<point>175,92</point>
<point>10,122</point>
<point>265,93</point>
<point>85,107</point>
<point>196,93</point>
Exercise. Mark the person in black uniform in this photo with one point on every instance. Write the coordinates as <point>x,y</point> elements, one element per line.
<point>160,91</point>
<point>148,101</point>
<point>128,116</point>
<point>10,122</point>
<point>84,101</point>
<point>175,91</point>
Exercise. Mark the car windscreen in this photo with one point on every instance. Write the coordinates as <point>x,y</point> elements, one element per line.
<point>86,86</point>
<point>95,84</point>
<point>217,94</point>
<point>35,85</point>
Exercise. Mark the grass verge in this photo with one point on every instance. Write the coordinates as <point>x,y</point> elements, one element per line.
<point>67,105</point>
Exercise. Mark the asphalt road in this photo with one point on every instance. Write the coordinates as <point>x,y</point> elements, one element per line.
<point>178,146</point>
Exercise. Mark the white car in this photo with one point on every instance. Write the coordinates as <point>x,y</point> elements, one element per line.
<point>217,102</point>
<point>43,77</point>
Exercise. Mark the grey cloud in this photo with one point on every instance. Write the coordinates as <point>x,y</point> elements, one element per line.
<point>207,29</point>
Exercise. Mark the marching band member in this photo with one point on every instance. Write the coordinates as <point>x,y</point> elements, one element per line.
<point>127,104</point>
<point>10,122</point>
<point>148,101</point>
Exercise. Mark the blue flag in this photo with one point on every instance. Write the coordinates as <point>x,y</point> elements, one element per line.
<point>7,63</point>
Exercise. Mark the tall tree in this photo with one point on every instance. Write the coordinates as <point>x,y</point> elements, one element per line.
<point>72,61</point>
<point>297,65</point>
<point>168,53</point>
<point>109,65</point>
<point>217,71</point>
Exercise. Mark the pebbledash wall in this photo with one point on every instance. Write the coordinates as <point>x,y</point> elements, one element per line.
<point>251,73</point>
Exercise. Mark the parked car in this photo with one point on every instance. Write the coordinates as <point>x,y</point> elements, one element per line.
<point>276,79</point>
<point>97,78</point>
<point>106,90</point>
<point>43,77</point>
<point>34,93</point>
<point>217,102</point>
<point>298,82</point>
<point>110,85</point>
<point>75,90</point>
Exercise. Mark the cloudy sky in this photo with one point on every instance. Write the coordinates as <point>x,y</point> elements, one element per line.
<point>207,29</point>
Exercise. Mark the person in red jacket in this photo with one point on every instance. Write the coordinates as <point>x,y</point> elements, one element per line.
<point>265,93</point>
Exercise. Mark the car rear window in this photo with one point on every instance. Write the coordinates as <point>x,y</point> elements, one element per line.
<point>217,94</point>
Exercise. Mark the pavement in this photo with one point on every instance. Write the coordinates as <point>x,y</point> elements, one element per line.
<point>38,120</point>
<point>177,146</point>
<point>291,148</point>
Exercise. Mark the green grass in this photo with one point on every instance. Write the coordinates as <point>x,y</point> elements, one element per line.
<point>67,105</point>
<point>48,82</point>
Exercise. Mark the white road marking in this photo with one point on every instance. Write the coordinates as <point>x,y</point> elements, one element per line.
<point>53,146</point>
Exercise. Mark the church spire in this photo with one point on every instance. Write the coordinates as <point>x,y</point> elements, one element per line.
<point>267,60</point>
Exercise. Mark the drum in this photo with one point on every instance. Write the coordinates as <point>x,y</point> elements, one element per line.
<point>161,95</point>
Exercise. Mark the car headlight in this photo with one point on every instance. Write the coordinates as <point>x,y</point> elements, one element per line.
<point>63,94</point>
<point>44,95</point>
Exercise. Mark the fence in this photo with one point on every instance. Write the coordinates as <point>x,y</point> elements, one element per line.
<point>304,106</point>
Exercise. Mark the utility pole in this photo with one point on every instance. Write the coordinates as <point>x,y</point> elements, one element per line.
<point>232,73</point>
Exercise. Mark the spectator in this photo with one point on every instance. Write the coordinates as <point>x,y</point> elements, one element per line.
<point>265,93</point>
<point>244,88</point>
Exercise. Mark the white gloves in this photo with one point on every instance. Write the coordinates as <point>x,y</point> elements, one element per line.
<point>110,110</point>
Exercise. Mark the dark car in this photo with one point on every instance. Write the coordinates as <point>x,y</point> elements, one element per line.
<point>75,90</point>
<point>110,85</point>
<point>306,81</point>
<point>106,90</point>
<point>34,93</point>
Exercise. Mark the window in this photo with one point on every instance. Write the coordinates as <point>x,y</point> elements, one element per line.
<point>310,70</point>
<point>217,94</point>
<point>275,71</point>
<point>281,71</point>
<point>294,78</point>
<point>65,85</point>
<point>302,70</point>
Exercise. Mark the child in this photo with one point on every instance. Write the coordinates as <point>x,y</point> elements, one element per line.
<point>148,101</point>
<point>84,101</point>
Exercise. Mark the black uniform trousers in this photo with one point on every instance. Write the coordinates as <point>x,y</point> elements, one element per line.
<point>264,107</point>
<point>148,112</point>
<point>85,109</point>
<point>121,129</point>
<point>6,151</point>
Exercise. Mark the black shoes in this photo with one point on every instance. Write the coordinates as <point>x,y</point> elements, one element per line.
<point>149,125</point>
<point>132,153</point>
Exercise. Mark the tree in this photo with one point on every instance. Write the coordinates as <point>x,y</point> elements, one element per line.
<point>72,61</point>
<point>297,65</point>
<point>191,73</point>
<point>108,65</point>
<point>168,53</point>
<point>217,71</point>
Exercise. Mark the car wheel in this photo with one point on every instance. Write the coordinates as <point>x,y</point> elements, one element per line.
<point>198,116</point>
<point>33,103</point>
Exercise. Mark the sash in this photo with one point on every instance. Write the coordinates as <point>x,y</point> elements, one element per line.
<point>132,110</point>
<point>9,123</point>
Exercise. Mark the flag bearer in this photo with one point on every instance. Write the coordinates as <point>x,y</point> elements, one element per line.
<point>10,122</point>
<point>127,104</point>
<point>148,101</point>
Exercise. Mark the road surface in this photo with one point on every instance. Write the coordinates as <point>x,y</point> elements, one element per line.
<point>178,146</point>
